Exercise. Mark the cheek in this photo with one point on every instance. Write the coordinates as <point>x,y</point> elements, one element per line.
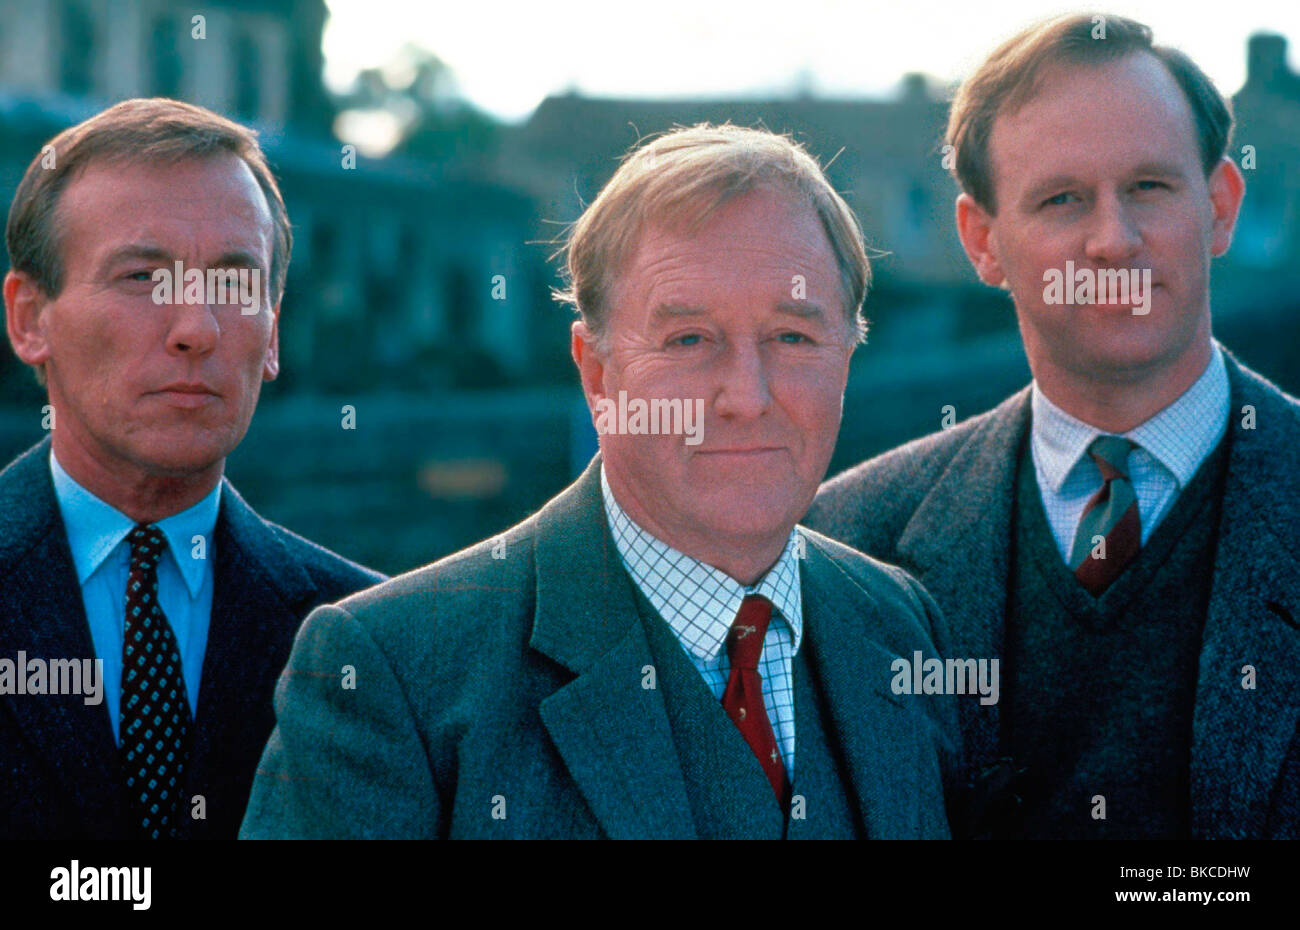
<point>813,398</point>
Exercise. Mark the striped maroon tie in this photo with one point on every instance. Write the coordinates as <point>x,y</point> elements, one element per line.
<point>743,699</point>
<point>1111,513</point>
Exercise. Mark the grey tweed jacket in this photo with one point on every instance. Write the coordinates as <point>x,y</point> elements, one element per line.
<point>503,697</point>
<point>941,507</point>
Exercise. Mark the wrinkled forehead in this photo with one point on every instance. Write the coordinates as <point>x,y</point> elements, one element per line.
<point>204,204</point>
<point>1114,114</point>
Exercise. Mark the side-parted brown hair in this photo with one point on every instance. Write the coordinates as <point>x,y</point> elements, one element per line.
<point>1010,77</point>
<point>140,131</point>
<point>682,177</point>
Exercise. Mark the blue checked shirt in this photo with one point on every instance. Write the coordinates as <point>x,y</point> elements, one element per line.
<point>700,603</point>
<point>1170,447</point>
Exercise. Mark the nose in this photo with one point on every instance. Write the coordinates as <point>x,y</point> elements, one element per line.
<point>193,329</point>
<point>743,392</point>
<point>1113,237</point>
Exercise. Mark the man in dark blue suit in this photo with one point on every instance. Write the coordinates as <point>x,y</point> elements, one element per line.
<point>145,609</point>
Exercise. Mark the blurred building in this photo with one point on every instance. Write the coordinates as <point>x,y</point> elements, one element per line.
<point>887,158</point>
<point>402,275</point>
<point>417,276</point>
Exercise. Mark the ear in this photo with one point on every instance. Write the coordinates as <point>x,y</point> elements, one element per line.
<point>591,367</point>
<point>271,364</point>
<point>24,301</point>
<point>1227,188</point>
<point>974,228</point>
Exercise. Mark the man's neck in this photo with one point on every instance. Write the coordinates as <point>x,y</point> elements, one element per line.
<point>1119,404</point>
<point>744,560</point>
<point>142,496</point>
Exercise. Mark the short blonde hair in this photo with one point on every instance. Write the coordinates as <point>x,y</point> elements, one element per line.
<point>683,176</point>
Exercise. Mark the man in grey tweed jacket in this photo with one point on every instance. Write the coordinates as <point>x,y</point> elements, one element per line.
<point>1122,534</point>
<point>659,652</point>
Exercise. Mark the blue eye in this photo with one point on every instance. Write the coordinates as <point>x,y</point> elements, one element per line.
<point>689,339</point>
<point>1057,200</point>
<point>793,338</point>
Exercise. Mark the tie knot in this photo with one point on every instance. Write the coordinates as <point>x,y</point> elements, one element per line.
<point>147,545</point>
<point>745,641</point>
<point>1111,455</point>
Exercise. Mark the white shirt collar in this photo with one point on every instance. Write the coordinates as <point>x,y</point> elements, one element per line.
<point>699,601</point>
<point>95,528</point>
<point>1179,437</point>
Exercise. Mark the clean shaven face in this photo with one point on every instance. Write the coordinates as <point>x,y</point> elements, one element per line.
<point>713,315</point>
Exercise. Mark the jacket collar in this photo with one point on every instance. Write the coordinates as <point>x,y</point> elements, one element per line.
<point>259,587</point>
<point>1241,736</point>
<point>613,733</point>
<point>957,543</point>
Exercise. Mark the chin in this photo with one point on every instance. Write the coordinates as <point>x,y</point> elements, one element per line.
<point>744,520</point>
<point>180,456</point>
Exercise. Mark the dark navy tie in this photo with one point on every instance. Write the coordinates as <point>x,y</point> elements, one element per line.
<point>155,725</point>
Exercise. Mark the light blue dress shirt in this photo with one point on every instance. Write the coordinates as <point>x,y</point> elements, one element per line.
<point>1170,447</point>
<point>101,554</point>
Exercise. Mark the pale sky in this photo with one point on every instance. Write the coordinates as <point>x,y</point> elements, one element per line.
<point>508,56</point>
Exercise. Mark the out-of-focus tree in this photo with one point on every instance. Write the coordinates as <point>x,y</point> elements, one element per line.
<point>412,106</point>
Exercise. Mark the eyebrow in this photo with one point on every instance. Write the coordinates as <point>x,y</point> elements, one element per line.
<point>804,309</point>
<point>236,258</point>
<point>1062,181</point>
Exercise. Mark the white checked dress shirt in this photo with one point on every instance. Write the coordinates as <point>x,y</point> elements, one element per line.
<point>699,603</point>
<point>1170,447</point>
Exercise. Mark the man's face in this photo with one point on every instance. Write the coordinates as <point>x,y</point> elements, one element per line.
<point>1101,167</point>
<point>747,315</point>
<point>165,389</point>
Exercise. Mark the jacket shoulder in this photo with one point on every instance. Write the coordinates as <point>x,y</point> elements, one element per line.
<point>871,574</point>
<point>468,596</point>
<point>335,576</point>
<point>868,505</point>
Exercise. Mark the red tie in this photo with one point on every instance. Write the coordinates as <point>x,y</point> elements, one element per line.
<point>743,699</point>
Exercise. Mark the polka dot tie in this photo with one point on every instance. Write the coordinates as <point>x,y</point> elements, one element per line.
<point>155,725</point>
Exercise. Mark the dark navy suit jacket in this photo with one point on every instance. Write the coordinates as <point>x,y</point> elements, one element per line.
<point>57,754</point>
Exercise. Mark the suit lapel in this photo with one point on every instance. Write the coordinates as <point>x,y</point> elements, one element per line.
<point>1240,737</point>
<point>876,734</point>
<point>44,617</point>
<point>612,733</point>
<point>259,591</point>
<point>958,545</point>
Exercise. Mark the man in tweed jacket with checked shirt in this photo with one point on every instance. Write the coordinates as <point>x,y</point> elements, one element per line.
<point>1123,532</point>
<point>659,652</point>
